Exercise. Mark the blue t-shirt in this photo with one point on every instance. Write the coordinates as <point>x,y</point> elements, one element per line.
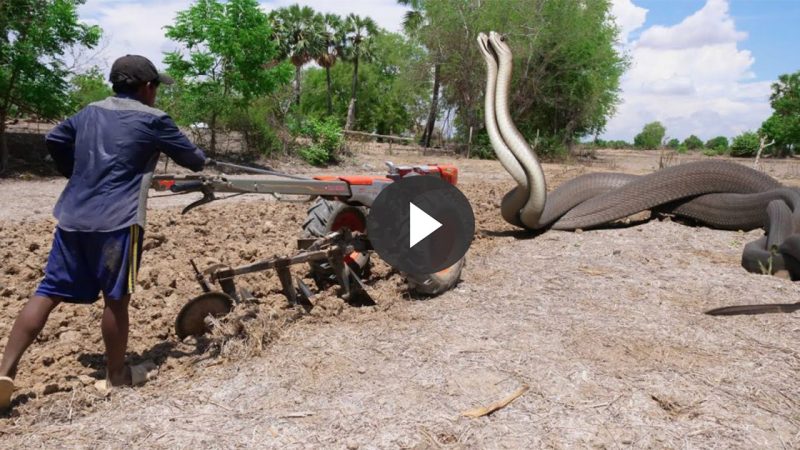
<point>109,151</point>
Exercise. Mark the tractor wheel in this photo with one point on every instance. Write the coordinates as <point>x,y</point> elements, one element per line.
<point>326,216</point>
<point>436,283</point>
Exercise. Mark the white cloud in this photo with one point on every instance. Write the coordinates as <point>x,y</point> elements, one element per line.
<point>628,17</point>
<point>137,27</point>
<point>693,78</point>
<point>134,27</point>
<point>708,26</point>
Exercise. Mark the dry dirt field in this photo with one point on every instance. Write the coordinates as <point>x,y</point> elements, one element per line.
<point>605,327</point>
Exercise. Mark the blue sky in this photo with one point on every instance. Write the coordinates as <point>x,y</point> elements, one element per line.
<point>772,27</point>
<point>700,67</point>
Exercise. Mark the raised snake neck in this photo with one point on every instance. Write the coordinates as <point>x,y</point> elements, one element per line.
<point>718,193</point>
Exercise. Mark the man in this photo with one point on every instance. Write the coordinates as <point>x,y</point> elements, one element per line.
<point>108,150</point>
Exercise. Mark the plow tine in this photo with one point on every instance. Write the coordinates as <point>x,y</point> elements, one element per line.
<point>285,276</point>
<point>304,294</point>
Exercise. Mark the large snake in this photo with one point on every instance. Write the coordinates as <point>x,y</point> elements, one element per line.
<point>719,194</point>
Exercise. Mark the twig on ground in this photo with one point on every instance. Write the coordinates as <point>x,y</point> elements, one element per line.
<point>486,410</point>
<point>297,415</point>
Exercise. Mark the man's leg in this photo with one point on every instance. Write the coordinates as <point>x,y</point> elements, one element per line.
<point>29,323</point>
<point>115,336</point>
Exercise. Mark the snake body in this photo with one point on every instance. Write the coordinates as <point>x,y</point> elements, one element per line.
<point>719,194</point>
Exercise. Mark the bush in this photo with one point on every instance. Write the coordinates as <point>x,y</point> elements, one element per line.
<point>315,155</point>
<point>693,143</point>
<point>674,144</point>
<point>482,147</point>
<point>259,136</point>
<point>718,145</point>
<point>618,145</point>
<point>682,149</point>
<point>650,137</point>
<point>327,140</point>
<point>746,144</point>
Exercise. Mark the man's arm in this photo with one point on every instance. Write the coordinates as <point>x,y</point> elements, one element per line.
<point>178,147</point>
<point>60,143</point>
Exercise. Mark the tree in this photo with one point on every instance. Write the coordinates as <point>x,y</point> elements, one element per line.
<point>719,145</point>
<point>33,79</point>
<point>416,23</point>
<point>359,34</point>
<point>650,137</point>
<point>783,126</point>
<point>674,144</point>
<point>566,68</point>
<point>392,93</point>
<point>333,38</point>
<point>88,87</point>
<point>227,48</point>
<point>299,33</point>
<point>746,144</point>
<point>693,143</point>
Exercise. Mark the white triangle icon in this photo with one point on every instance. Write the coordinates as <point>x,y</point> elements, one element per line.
<point>421,225</point>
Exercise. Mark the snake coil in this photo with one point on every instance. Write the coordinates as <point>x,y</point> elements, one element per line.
<point>719,194</point>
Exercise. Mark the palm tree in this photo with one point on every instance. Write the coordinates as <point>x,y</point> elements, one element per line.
<point>359,32</point>
<point>333,41</point>
<point>299,35</point>
<point>415,22</point>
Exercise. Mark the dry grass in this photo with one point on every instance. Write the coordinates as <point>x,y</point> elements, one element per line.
<point>605,326</point>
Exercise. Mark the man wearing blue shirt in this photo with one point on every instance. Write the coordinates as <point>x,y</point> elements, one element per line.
<point>109,151</point>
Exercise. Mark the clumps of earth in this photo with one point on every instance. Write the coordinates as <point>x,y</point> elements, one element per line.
<point>68,355</point>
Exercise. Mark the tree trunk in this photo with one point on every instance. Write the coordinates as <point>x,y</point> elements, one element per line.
<point>330,94</point>
<point>297,85</point>
<point>351,115</point>
<point>3,144</point>
<point>3,116</point>
<point>351,108</point>
<point>213,127</point>
<point>429,126</point>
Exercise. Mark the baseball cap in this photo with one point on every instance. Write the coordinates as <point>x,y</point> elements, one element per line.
<point>136,69</point>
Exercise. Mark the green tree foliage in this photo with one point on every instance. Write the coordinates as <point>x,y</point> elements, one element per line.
<point>88,87</point>
<point>224,64</point>
<point>416,24</point>
<point>650,137</point>
<point>746,144</point>
<point>300,35</point>
<point>33,36</point>
<point>783,126</point>
<point>693,143</point>
<point>674,144</point>
<point>392,95</point>
<point>619,144</point>
<point>717,145</point>
<point>566,70</point>
<point>359,32</point>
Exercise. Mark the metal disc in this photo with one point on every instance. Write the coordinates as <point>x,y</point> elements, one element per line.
<point>191,319</point>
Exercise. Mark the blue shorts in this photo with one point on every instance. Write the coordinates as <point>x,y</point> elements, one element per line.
<point>82,264</point>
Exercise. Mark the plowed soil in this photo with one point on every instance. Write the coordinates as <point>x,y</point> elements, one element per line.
<point>605,327</point>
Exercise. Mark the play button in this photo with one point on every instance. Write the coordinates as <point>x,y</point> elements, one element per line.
<point>421,224</point>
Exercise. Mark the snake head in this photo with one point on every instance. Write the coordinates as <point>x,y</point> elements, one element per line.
<point>499,44</point>
<point>486,49</point>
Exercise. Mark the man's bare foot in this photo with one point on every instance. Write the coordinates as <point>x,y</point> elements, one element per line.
<point>120,378</point>
<point>129,376</point>
<point>6,389</point>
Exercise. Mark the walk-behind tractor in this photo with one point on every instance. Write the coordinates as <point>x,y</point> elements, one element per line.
<point>333,242</point>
